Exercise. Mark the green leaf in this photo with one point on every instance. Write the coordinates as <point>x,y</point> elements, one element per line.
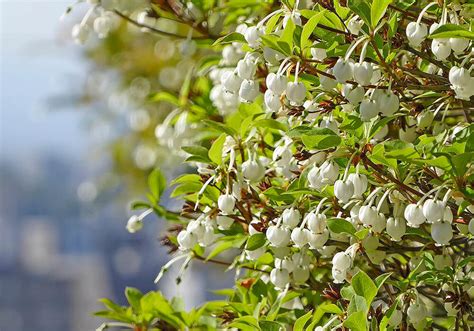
<point>287,36</point>
<point>271,124</point>
<point>361,8</point>
<point>133,297</point>
<point>157,184</point>
<point>451,31</point>
<point>230,38</point>
<point>225,244</point>
<point>339,225</point>
<point>380,280</point>
<point>300,322</point>
<point>309,28</point>
<point>221,127</point>
<point>215,152</point>
<point>165,96</point>
<point>255,241</point>
<point>270,326</point>
<point>321,141</point>
<point>364,286</point>
<point>377,10</point>
<point>356,321</point>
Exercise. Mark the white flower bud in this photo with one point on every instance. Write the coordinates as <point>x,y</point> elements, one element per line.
<point>416,33</point>
<point>279,277</point>
<point>359,182</point>
<point>342,70</point>
<point>249,90</point>
<point>300,274</point>
<point>353,94</point>
<point>246,68</point>
<point>278,236</point>
<point>296,92</point>
<point>252,36</point>
<point>459,76</point>
<point>441,48</point>
<point>226,203</point>
<point>329,172</point>
<point>231,81</point>
<point>224,222</point>
<point>272,100</point>
<point>368,109</point>
<point>342,261</point>
<point>255,254</point>
<point>318,240</point>
<point>396,318</point>
<point>253,170</point>
<point>134,224</point>
<point>80,33</point>
<point>355,25</point>
<point>186,240</point>
<point>291,217</point>
<point>343,190</point>
<point>458,45</point>
<point>441,232</point>
<point>363,72</point>
<point>300,237</point>
<point>294,16</point>
<point>414,215</point>
<point>276,83</point>
<point>396,228</point>
<point>102,25</point>
<point>433,210</point>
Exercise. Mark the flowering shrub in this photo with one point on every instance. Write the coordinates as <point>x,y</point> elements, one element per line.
<point>332,146</point>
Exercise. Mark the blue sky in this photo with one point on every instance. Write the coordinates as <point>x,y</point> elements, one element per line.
<point>38,61</point>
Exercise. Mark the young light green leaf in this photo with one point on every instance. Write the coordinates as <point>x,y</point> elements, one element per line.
<point>377,10</point>
<point>309,28</point>
<point>300,322</point>
<point>339,225</point>
<point>364,286</point>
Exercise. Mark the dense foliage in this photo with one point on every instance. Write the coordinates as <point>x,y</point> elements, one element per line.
<point>330,144</point>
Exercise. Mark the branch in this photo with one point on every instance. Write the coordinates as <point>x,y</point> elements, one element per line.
<point>227,263</point>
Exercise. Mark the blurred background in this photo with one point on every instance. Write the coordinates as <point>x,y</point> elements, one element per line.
<point>76,145</point>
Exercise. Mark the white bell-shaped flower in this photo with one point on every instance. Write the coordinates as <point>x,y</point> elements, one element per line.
<point>314,178</point>
<point>252,36</point>
<point>417,312</point>
<point>425,119</point>
<point>360,183</point>
<point>231,81</point>
<point>103,25</point>
<point>353,94</point>
<point>355,25</point>
<point>208,237</point>
<point>316,222</point>
<point>343,190</point>
<point>279,277</point>
<point>278,236</point>
<point>249,90</point>
<point>368,109</point>
<point>342,70</point>
<point>458,45</point>
<point>342,261</point>
<point>329,172</point>
<point>368,215</point>
<point>327,83</point>
<point>291,217</point>
<point>379,223</point>
<point>246,68</point>
<point>300,274</point>
<point>272,100</point>
<point>253,170</point>
<point>433,210</point>
<point>300,236</point>
<point>318,240</point>
<point>396,228</point>
<point>231,55</point>
<point>387,101</point>
<point>414,215</point>
<point>416,33</point>
<point>441,48</point>
<point>296,92</point>
<point>224,222</point>
<point>441,232</point>
<point>276,83</point>
<point>226,203</point>
<point>318,54</point>
<point>80,33</point>
<point>363,72</point>
<point>186,240</point>
<point>339,276</point>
